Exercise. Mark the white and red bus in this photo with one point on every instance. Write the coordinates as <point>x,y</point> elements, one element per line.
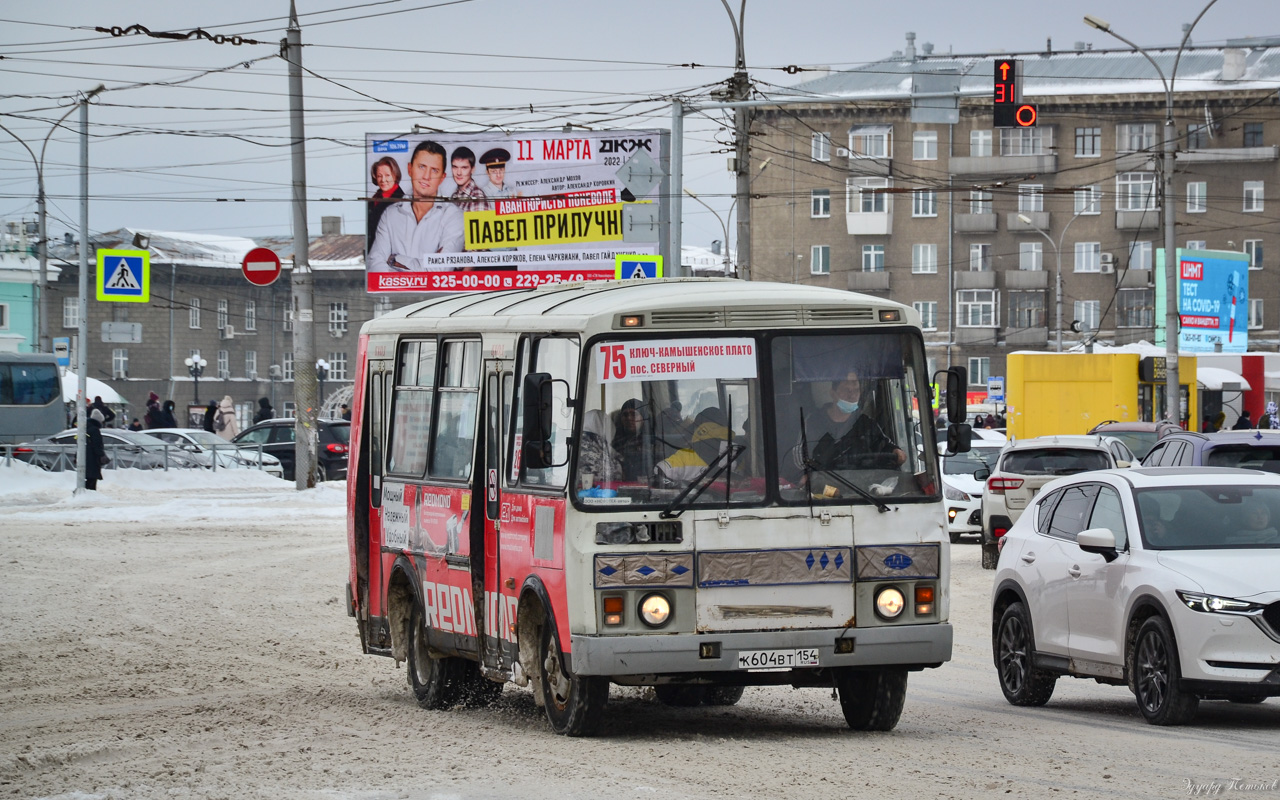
<point>697,485</point>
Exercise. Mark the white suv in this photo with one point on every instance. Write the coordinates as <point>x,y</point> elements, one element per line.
<point>1162,579</point>
<point>1023,468</point>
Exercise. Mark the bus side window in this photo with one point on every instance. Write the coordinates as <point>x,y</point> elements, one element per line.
<point>411,403</point>
<point>459,394</point>
<point>558,356</point>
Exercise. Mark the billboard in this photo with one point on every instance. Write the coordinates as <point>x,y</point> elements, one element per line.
<point>489,211</point>
<point>1213,301</point>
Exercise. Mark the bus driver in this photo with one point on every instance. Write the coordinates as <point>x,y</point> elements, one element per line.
<point>840,434</point>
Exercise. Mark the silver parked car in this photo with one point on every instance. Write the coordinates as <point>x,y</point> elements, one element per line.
<point>206,448</point>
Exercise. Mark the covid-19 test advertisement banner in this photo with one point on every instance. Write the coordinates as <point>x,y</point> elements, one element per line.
<point>484,212</point>
<point>1213,301</point>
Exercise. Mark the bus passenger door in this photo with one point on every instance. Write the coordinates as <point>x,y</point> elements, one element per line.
<point>492,618</point>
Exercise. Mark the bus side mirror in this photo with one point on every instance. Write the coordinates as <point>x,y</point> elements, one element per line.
<point>957,385</point>
<point>959,437</point>
<point>536,449</point>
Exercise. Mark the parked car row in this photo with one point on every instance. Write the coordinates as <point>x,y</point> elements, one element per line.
<point>268,446</point>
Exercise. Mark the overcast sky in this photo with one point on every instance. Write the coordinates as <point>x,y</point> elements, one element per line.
<point>161,156</point>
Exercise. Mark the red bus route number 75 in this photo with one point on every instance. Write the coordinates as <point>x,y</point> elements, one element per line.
<point>615,361</point>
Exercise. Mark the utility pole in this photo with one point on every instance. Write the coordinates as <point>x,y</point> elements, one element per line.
<point>304,369</point>
<point>82,351</point>
<point>740,90</point>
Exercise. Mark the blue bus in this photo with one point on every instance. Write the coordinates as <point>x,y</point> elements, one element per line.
<point>30,397</point>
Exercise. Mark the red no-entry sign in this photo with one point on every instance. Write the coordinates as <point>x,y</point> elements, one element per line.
<point>261,266</point>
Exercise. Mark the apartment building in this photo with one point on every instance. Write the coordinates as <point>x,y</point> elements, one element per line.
<point>968,223</point>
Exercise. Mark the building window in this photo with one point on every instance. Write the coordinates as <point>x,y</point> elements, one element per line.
<point>1197,244</point>
<point>980,144</point>
<point>4,316</point>
<point>224,364</point>
<point>979,257</point>
<point>194,313</point>
<point>1253,195</point>
<point>1140,255</point>
<point>976,308</point>
<point>873,258</point>
<point>1253,134</point>
<point>820,259</point>
<point>1135,308</point>
<point>337,366</point>
<point>928,310</point>
<point>287,317</point>
<point>1088,313</point>
<point>1031,255</point>
<point>979,202</point>
<point>250,315</point>
<point>924,259</point>
<point>1253,247</point>
<point>1255,313</point>
<point>1024,141</point>
<point>71,312</point>
<point>251,364</point>
<point>820,147</point>
<point>860,197</point>
<point>924,203</point>
<point>820,203</point>
<point>924,146</point>
<point>1088,256</point>
<point>1135,137</point>
<point>1196,191</point>
<point>119,363</point>
<point>870,141</point>
<point>222,315</point>
<point>1026,309</point>
<point>1030,197</point>
<point>381,306</point>
<point>979,370</point>
<point>1088,142</point>
<point>287,366</point>
<point>1089,200</point>
<point>337,319</point>
<point>1197,137</point>
<point>1136,191</point>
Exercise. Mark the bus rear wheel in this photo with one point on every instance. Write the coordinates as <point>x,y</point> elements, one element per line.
<point>872,700</point>
<point>437,683</point>
<point>575,704</point>
<point>723,695</point>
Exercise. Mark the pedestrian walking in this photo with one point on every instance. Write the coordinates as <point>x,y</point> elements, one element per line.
<point>95,453</point>
<point>225,423</point>
<point>153,418</point>
<point>265,411</point>
<point>210,412</point>
<point>1242,424</point>
<point>167,417</point>
<point>107,414</point>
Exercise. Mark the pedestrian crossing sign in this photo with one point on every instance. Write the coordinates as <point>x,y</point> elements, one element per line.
<point>124,276</point>
<point>635,266</point>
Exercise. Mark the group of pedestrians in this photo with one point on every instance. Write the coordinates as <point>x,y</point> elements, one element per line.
<point>1270,420</point>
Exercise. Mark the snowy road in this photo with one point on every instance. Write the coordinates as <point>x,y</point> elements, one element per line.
<point>173,638</point>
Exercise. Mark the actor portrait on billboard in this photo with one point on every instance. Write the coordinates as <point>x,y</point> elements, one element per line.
<point>428,225</point>
<point>385,175</point>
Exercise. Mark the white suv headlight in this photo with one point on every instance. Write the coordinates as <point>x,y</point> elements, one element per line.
<point>952,493</point>
<point>1213,604</point>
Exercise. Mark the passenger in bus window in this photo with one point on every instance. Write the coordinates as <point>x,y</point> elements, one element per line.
<point>711,437</point>
<point>633,442</point>
<point>598,463</point>
<point>843,434</point>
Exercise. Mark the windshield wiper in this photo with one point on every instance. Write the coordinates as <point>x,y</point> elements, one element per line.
<point>679,505</point>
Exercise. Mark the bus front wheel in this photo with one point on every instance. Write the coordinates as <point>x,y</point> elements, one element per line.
<point>872,700</point>
<point>436,682</point>
<point>575,705</point>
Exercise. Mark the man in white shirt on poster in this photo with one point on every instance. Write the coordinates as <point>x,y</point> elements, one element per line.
<point>429,225</point>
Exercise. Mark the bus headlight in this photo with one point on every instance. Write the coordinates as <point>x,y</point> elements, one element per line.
<point>890,602</point>
<point>655,610</point>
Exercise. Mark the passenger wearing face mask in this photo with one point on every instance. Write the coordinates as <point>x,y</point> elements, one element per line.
<point>840,436</point>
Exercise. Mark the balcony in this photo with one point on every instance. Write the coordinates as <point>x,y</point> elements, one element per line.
<point>977,335</point>
<point>1133,278</point>
<point>872,224</point>
<point>998,166</point>
<point>880,167</point>
<point>869,281</point>
<point>1026,279</point>
<point>1148,220</point>
<point>977,223</point>
<point>1039,221</point>
<point>1027,337</point>
<point>1226,155</point>
<point>976,280</point>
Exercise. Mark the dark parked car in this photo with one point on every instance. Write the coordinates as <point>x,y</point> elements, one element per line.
<point>276,436</point>
<point>1139,437</point>
<point>1258,450</point>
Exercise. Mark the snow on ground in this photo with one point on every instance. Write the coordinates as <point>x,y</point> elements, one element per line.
<point>134,495</point>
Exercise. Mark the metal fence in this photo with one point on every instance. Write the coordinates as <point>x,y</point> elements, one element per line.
<point>56,457</point>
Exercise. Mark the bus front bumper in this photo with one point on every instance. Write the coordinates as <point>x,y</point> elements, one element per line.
<point>907,646</point>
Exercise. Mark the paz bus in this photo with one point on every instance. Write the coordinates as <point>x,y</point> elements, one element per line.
<point>30,397</point>
<point>698,485</point>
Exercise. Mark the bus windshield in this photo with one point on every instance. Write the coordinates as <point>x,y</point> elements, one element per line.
<point>681,422</point>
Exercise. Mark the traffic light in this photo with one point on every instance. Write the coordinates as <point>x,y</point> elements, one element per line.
<point>1008,109</point>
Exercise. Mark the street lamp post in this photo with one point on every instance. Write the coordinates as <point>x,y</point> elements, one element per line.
<point>1173,394</point>
<point>723,225</point>
<point>42,246</point>
<point>1057,279</point>
<point>195,368</point>
<point>322,372</point>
